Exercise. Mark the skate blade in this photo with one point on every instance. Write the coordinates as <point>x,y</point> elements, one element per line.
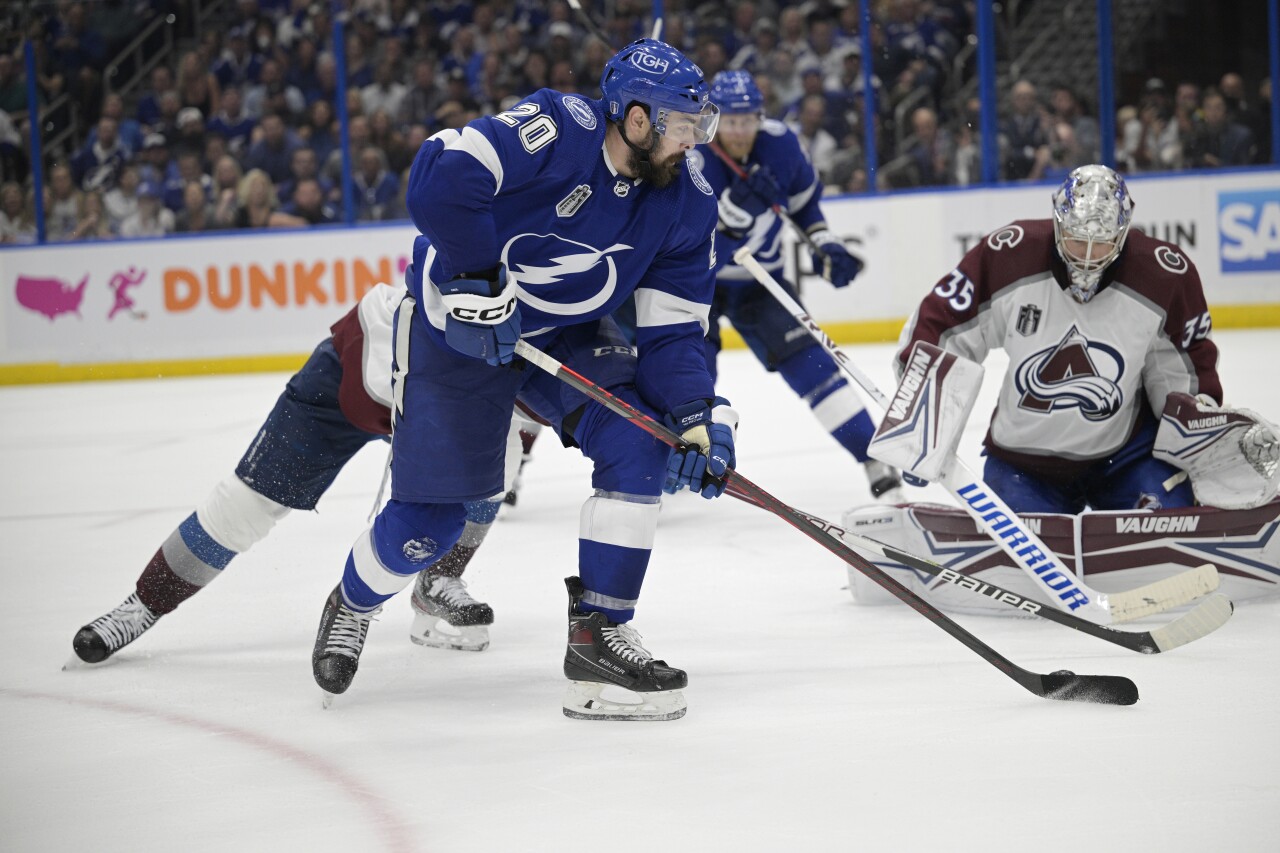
<point>436,633</point>
<point>583,701</point>
<point>326,698</point>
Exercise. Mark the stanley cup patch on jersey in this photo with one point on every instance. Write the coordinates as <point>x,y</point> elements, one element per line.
<point>1028,320</point>
<point>1076,373</point>
<point>572,203</point>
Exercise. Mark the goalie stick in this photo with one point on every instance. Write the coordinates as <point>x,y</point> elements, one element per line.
<point>1062,685</point>
<point>1017,540</point>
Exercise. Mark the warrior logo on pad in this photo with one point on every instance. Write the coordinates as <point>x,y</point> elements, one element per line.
<point>1077,373</point>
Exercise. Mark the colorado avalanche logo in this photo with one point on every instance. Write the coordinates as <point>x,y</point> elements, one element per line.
<point>576,269</point>
<point>1077,373</point>
<point>1171,260</point>
<point>580,111</point>
<point>1006,238</point>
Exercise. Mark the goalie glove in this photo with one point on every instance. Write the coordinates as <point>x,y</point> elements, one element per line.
<point>709,432</point>
<point>483,319</point>
<point>1231,455</point>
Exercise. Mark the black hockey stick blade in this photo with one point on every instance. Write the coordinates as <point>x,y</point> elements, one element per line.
<point>1103,689</point>
<point>1069,687</point>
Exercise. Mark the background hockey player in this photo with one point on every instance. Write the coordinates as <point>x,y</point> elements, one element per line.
<point>336,404</point>
<point>538,222</point>
<point>1101,325</point>
<point>779,173</point>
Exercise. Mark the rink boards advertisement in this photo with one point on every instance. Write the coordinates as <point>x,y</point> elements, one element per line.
<point>264,299</point>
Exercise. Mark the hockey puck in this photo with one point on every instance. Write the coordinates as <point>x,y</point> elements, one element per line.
<point>1065,672</point>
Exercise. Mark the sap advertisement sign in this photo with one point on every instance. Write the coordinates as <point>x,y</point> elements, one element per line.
<point>1249,225</point>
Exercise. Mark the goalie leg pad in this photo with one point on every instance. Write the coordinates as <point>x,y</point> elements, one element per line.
<point>928,412</point>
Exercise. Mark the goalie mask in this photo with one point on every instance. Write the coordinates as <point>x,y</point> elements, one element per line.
<point>1092,212</point>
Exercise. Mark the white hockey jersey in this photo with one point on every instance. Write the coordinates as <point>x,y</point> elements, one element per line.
<point>1082,377</point>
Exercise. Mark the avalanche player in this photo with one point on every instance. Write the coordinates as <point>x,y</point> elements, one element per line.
<point>778,173</point>
<point>336,404</point>
<point>1100,326</point>
<point>538,222</point>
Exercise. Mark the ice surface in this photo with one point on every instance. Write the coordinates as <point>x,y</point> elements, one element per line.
<point>813,724</point>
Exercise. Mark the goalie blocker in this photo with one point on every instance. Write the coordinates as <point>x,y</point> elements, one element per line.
<point>1109,551</point>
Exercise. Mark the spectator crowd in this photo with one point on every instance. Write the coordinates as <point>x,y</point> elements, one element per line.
<point>238,126</point>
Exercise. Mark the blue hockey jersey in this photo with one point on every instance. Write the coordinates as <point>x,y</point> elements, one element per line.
<point>533,187</point>
<point>776,148</point>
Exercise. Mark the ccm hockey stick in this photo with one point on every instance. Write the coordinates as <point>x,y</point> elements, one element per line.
<point>1063,684</point>
<point>1018,541</point>
<point>1203,619</point>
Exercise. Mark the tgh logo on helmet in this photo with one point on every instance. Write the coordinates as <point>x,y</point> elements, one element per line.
<point>649,63</point>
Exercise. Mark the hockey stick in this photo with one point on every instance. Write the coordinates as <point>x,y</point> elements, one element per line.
<point>1063,684</point>
<point>1018,541</point>
<point>778,209</point>
<point>592,27</point>
<point>1203,619</point>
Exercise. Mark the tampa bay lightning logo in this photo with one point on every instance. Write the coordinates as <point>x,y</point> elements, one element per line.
<point>576,270</point>
<point>1077,373</point>
<point>580,110</point>
<point>695,172</point>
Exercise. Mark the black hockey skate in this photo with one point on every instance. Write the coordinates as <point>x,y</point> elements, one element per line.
<point>446,616</point>
<point>886,485</point>
<point>604,654</point>
<point>338,645</point>
<point>111,632</point>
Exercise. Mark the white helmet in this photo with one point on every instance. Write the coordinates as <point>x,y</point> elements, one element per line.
<point>1093,210</point>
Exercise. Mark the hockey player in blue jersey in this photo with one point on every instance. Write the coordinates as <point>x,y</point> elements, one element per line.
<point>775,171</point>
<point>536,223</point>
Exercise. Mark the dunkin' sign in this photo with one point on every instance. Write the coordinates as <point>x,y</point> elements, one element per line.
<point>174,299</point>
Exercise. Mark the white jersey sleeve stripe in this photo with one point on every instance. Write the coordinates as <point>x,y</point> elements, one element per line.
<point>801,198</point>
<point>655,308</point>
<point>478,146</point>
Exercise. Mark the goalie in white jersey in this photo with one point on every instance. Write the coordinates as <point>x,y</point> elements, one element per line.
<point>1101,325</point>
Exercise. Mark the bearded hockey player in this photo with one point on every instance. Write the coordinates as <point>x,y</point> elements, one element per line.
<point>536,223</point>
<point>1101,325</point>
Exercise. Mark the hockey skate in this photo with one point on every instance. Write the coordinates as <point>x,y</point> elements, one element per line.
<point>512,496</point>
<point>446,616</point>
<point>886,485</point>
<point>111,632</point>
<point>608,655</point>
<point>338,645</point>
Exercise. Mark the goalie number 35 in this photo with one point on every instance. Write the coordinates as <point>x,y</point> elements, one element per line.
<point>957,290</point>
<point>1196,329</point>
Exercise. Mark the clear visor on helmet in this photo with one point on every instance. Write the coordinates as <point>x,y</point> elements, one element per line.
<point>688,128</point>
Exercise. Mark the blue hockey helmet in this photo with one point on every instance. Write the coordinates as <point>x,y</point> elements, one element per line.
<point>736,92</point>
<point>666,81</point>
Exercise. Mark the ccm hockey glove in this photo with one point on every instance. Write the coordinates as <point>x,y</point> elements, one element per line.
<point>835,263</point>
<point>484,316</point>
<point>710,431</point>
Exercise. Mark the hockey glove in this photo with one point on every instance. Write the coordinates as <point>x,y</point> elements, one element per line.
<point>834,262</point>
<point>757,192</point>
<point>484,316</point>
<point>709,431</point>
